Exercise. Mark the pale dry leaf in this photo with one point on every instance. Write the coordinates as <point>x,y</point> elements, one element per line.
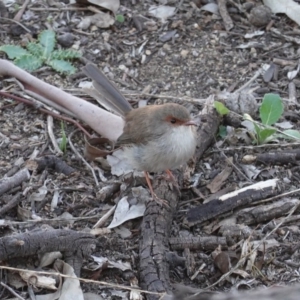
<point>211,7</point>
<point>40,194</point>
<point>288,7</point>
<point>92,296</point>
<point>104,262</point>
<point>119,163</point>
<point>71,287</point>
<point>48,258</point>
<point>112,5</point>
<point>162,12</point>
<point>254,34</point>
<point>284,125</point>
<point>103,20</point>
<point>39,281</point>
<point>251,171</point>
<point>292,74</point>
<point>125,212</point>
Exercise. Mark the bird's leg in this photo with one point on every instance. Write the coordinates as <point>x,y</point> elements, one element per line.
<point>171,176</point>
<point>154,196</point>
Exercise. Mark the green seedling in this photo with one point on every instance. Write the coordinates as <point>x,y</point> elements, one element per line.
<point>63,143</point>
<point>42,52</point>
<point>270,112</point>
<point>120,18</point>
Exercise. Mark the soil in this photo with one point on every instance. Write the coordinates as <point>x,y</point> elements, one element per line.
<point>185,59</point>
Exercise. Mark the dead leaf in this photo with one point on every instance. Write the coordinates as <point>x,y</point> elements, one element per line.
<point>288,7</point>
<point>97,147</point>
<point>219,180</point>
<point>125,212</point>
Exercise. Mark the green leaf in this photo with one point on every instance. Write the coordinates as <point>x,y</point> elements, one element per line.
<point>120,18</point>
<point>292,134</point>
<point>29,62</point>
<point>47,40</point>
<point>221,108</point>
<point>61,66</point>
<point>264,134</point>
<point>65,54</point>
<point>271,109</point>
<point>222,131</point>
<point>13,51</point>
<point>35,49</point>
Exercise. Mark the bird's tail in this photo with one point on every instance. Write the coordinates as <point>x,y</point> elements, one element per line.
<point>105,92</point>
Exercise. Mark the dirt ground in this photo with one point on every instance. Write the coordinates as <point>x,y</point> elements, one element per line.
<point>186,59</point>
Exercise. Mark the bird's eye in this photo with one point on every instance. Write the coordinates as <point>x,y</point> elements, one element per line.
<point>173,121</point>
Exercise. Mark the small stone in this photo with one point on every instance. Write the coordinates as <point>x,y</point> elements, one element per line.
<point>184,53</point>
<point>260,16</point>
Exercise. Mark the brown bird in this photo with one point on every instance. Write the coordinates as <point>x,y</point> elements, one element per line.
<point>156,137</point>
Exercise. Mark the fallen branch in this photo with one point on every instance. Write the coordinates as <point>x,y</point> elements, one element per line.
<point>103,122</point>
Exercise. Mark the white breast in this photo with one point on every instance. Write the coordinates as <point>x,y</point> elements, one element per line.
<point>169,151</point>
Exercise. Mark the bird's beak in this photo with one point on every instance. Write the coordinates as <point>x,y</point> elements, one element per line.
<point>191,123</point>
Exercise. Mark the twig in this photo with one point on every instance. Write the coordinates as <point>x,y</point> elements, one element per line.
<point>243,259</point>
<point>81,157</point>
<point>51,135</point>
<point>255,76</point>
<point>12,291</point>
<point>81,279</point>
<point>20,24</point>
<point>19,15</point>
<point>19,99</point>
<point>187,99</point>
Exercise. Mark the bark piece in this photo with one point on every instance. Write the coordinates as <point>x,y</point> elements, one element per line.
<point>206,243</point>
<point>231,201</point>
<point>51,162</point>
<point>11,204</point>
<point>74,245</point>
<point>225,15</point>
<point>262,214</point>
<point>9,183</point>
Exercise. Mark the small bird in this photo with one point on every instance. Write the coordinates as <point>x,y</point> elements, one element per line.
<point>155,138</point>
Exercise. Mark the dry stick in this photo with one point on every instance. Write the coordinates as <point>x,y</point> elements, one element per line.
<point>254,147</point>
<point>45,111</point>
<point>51,135</point>
<point>184,98</point>
<point>80,279</point>
<point>47,221</point>
<point>256,75</point>
<point>11,204</point>
<point>19,15</point>
<point>224,14</point>
<point>12,291</point>
<point>243,259</point>
<point>9,183</point>
<point>81,157</point>
<point>20,24</point>
<point>233,165</point>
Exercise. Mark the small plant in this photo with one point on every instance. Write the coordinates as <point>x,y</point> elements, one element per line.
<point>63,142</point>
<point>42,52</point>
<point>270,112</point>
<point>120,18</point>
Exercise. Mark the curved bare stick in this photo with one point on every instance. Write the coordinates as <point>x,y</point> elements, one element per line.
<point>103,122</point>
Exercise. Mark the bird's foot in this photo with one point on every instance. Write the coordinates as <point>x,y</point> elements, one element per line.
<point>159,201</point>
